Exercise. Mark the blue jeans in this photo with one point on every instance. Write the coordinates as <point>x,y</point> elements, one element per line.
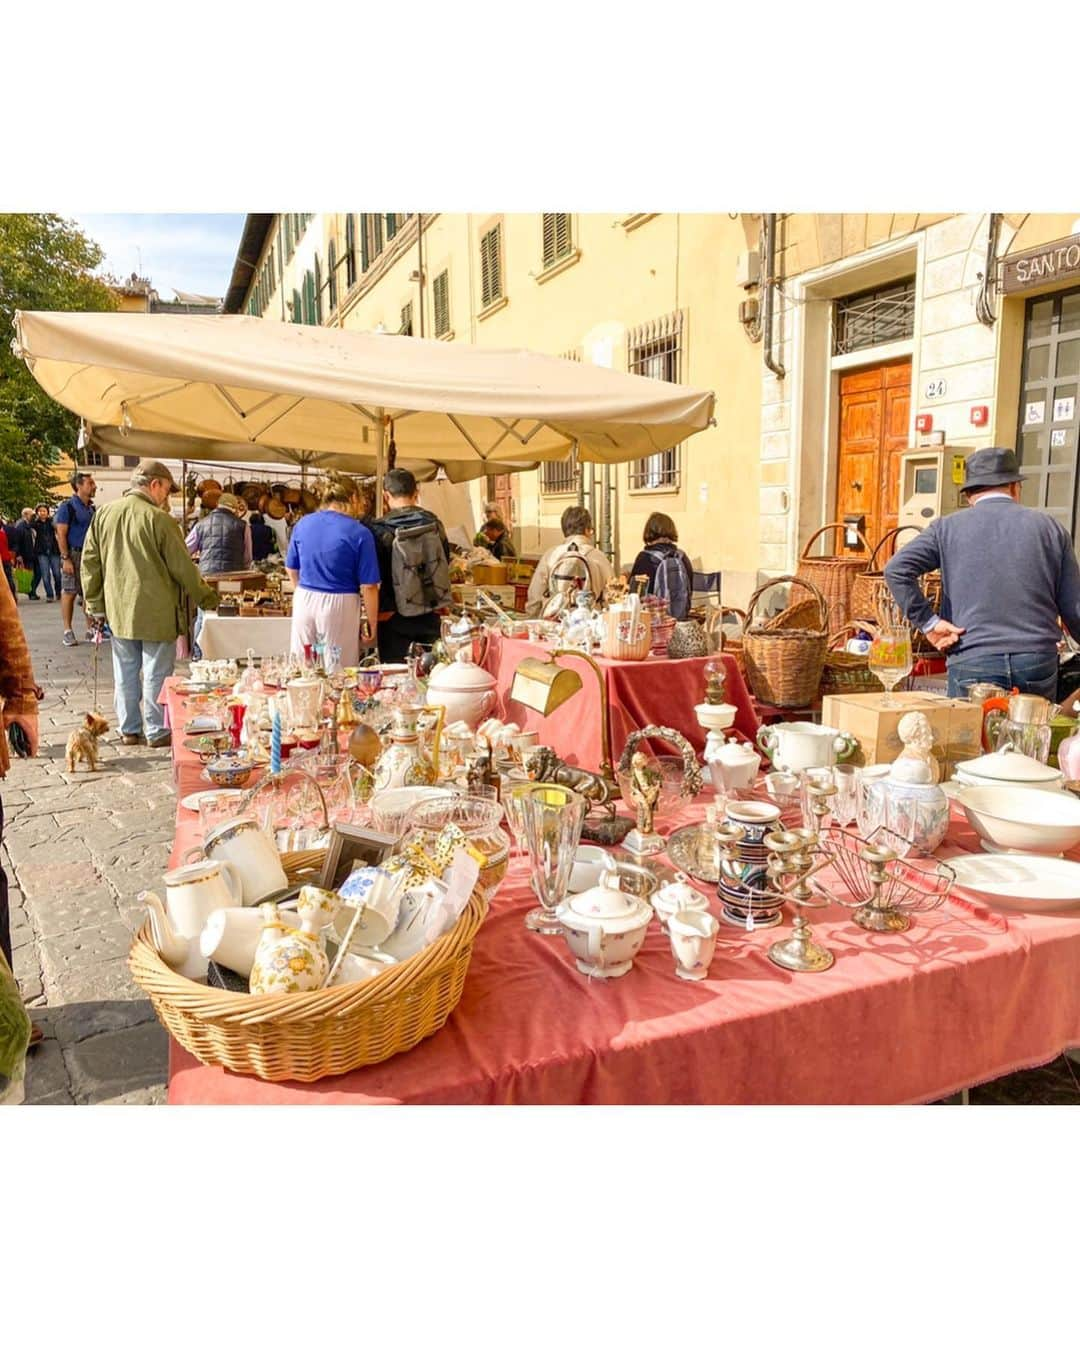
<point>140,668</point>
<point>47,568</point>
<point>1034,673</point>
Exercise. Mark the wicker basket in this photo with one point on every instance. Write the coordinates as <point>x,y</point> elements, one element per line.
<point>726,644</point>
<point>833,575</point>
<point>614,647</point>
<point>844,672</point>
<point>783,667</point>
<point>308,1035</point>
<point>869,586</point>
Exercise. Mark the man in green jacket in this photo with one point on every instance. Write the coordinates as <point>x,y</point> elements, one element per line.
<point>135,571</point>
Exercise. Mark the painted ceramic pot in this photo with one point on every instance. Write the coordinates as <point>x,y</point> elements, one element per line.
<point>288,960</point>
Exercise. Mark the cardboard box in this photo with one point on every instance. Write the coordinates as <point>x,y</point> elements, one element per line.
<point>957,724</point>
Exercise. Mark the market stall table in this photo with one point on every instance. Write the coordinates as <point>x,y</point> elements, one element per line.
<point>656,690</point>
<point>232,637</point>
<point>966,995</point>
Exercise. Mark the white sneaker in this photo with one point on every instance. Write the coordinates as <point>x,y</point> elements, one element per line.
<point>70,638</point>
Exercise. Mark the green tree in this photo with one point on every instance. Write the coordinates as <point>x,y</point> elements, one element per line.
<point>46,263</point>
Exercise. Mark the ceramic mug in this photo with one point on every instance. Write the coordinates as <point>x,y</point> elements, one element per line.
<point>251,854</point>
<point>231,936</point>
<point>192,892</point>
<point>693,943</point>
<point>521,743</point>
<point>378,894</point>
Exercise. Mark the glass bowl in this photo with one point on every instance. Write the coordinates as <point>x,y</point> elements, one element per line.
<point>480,820</point>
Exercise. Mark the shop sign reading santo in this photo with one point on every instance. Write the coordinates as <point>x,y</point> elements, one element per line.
<point>1059,260</point>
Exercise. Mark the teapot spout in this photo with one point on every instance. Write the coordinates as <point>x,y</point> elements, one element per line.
<point>172,947</point>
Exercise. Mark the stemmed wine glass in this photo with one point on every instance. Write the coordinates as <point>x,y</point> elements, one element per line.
<point>891,658</point>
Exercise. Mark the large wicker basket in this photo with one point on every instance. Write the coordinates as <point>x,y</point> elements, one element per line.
<point>833,575</point>
<point>869,586</point>
<point>308,1035</point>
<point>783,667</point>
<point>845,672</point>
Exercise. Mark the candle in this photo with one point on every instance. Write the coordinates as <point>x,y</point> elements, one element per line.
<point>275,744</point>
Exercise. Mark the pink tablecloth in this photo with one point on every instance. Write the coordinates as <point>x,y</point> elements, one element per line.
<point>658,691</point>
<point>965,996</point>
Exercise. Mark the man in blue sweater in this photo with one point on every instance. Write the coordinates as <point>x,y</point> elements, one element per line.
<point>1007,573</point>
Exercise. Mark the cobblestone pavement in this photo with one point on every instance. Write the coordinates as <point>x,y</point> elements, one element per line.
<point>78,850</point>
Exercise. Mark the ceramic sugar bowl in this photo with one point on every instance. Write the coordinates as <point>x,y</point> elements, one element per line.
<point>605,928</point>
<point>677,896</point>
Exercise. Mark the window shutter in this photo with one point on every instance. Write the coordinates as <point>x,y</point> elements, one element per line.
<point>350,250</point>
<point>365,250</point>
<point>556,238</point>
<point>406,321</point>
<point>391,226</point>
<point>318,291</point>
<point>440,292</point>
<point>331,275</point>
<point>490,267</point>
<point>377,222</point>
<point>297,307</point>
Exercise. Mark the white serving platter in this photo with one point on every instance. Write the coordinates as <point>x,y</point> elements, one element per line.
<point>1035,883</point>
<point>191,801</point>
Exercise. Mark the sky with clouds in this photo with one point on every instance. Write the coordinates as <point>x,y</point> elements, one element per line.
<point>183,252</point>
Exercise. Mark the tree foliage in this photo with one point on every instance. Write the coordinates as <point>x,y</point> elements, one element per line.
<point>46,263</point>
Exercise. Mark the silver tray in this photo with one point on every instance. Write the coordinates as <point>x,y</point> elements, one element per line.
<point>685,852</point>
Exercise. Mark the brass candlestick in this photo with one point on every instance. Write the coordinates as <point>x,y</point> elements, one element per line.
<point>791,863</point>
<point>879,914</point>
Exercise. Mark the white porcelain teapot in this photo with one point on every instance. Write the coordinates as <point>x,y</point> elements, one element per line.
<point>604,927</point>
<point>801,746</point>
<point>732,765</point>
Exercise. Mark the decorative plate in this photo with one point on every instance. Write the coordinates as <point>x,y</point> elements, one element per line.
<point>191,801</point>
<point>693,850</point>
<point>1035,883</point>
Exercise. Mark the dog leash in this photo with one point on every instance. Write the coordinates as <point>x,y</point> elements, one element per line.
<point>98,629</point>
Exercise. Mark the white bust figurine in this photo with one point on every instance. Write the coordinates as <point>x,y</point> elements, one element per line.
<point>916,764</point>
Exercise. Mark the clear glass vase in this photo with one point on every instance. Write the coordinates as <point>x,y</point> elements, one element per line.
<point>553,817</point>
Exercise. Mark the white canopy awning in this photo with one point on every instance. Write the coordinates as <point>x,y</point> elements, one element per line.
<point>295,389</point>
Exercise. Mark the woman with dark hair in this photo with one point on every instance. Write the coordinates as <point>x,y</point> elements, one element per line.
<point>665,566</point>
<point>263,540</point>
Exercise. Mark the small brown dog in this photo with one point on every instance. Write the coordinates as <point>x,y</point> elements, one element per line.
<point>83,742</point>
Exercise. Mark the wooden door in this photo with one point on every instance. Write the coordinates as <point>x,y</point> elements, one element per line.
<point>503,497</point>
<point>875,406</point>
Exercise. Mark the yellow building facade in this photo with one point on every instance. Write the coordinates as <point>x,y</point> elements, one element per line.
<point>902,342</point>
<point>654,294</point>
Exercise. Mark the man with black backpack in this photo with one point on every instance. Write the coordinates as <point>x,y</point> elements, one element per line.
<point>574,564</point>
<point>414,568</point>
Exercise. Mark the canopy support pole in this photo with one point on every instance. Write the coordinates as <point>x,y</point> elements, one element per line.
<point>183,495</point>
<point>380,462</point>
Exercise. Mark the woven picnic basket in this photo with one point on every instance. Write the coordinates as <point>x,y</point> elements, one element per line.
<point>784,666</point>
<point>833,575</point>
<point>307,1035</point>
<point>845,672</point>
<point>870,584</point>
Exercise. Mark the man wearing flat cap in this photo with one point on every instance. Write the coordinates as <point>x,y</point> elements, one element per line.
<point>135,572</point>
<point>1007,574</point>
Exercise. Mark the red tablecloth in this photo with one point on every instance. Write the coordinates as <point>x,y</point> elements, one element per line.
<point>656,690</point>
<point>965,996</point>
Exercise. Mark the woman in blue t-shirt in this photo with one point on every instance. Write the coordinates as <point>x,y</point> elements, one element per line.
<point>332,562</point>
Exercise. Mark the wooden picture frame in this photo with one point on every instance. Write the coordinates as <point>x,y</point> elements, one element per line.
<point>351,846</point>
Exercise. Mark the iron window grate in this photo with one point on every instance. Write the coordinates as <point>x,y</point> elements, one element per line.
<point>655,351</point>
<point>875,317</point>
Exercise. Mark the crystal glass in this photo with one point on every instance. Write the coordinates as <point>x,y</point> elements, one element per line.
<point>891,658</point>
<point>214,809</point>
<point>870,798</point>
<point>514,795</point>
<point>845,801</point>
<point>553,818</point>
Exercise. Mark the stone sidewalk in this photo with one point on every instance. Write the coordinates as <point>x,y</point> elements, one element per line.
<point>77,852</point>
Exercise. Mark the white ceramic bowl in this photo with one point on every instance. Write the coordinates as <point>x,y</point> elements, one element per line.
<point>1015,818</point>
<point>588,866</point>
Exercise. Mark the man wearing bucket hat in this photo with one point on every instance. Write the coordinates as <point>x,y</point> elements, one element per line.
<point>136,571</point>
<point>1007,574</point>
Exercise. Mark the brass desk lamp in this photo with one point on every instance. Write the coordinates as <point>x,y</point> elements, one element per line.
<point>543,686</point>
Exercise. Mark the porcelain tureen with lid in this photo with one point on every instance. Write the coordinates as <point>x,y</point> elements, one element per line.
<point>464,688</point>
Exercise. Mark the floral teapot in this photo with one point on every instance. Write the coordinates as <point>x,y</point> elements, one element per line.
<point>605,927</point>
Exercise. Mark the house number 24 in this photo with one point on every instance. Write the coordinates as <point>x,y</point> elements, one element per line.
<point>935,388</point>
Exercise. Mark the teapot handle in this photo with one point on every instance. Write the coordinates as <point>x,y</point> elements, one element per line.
<point>844,745</point>
<point>232,881</point>
<point>198,851</point>
<point>766,740</point>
